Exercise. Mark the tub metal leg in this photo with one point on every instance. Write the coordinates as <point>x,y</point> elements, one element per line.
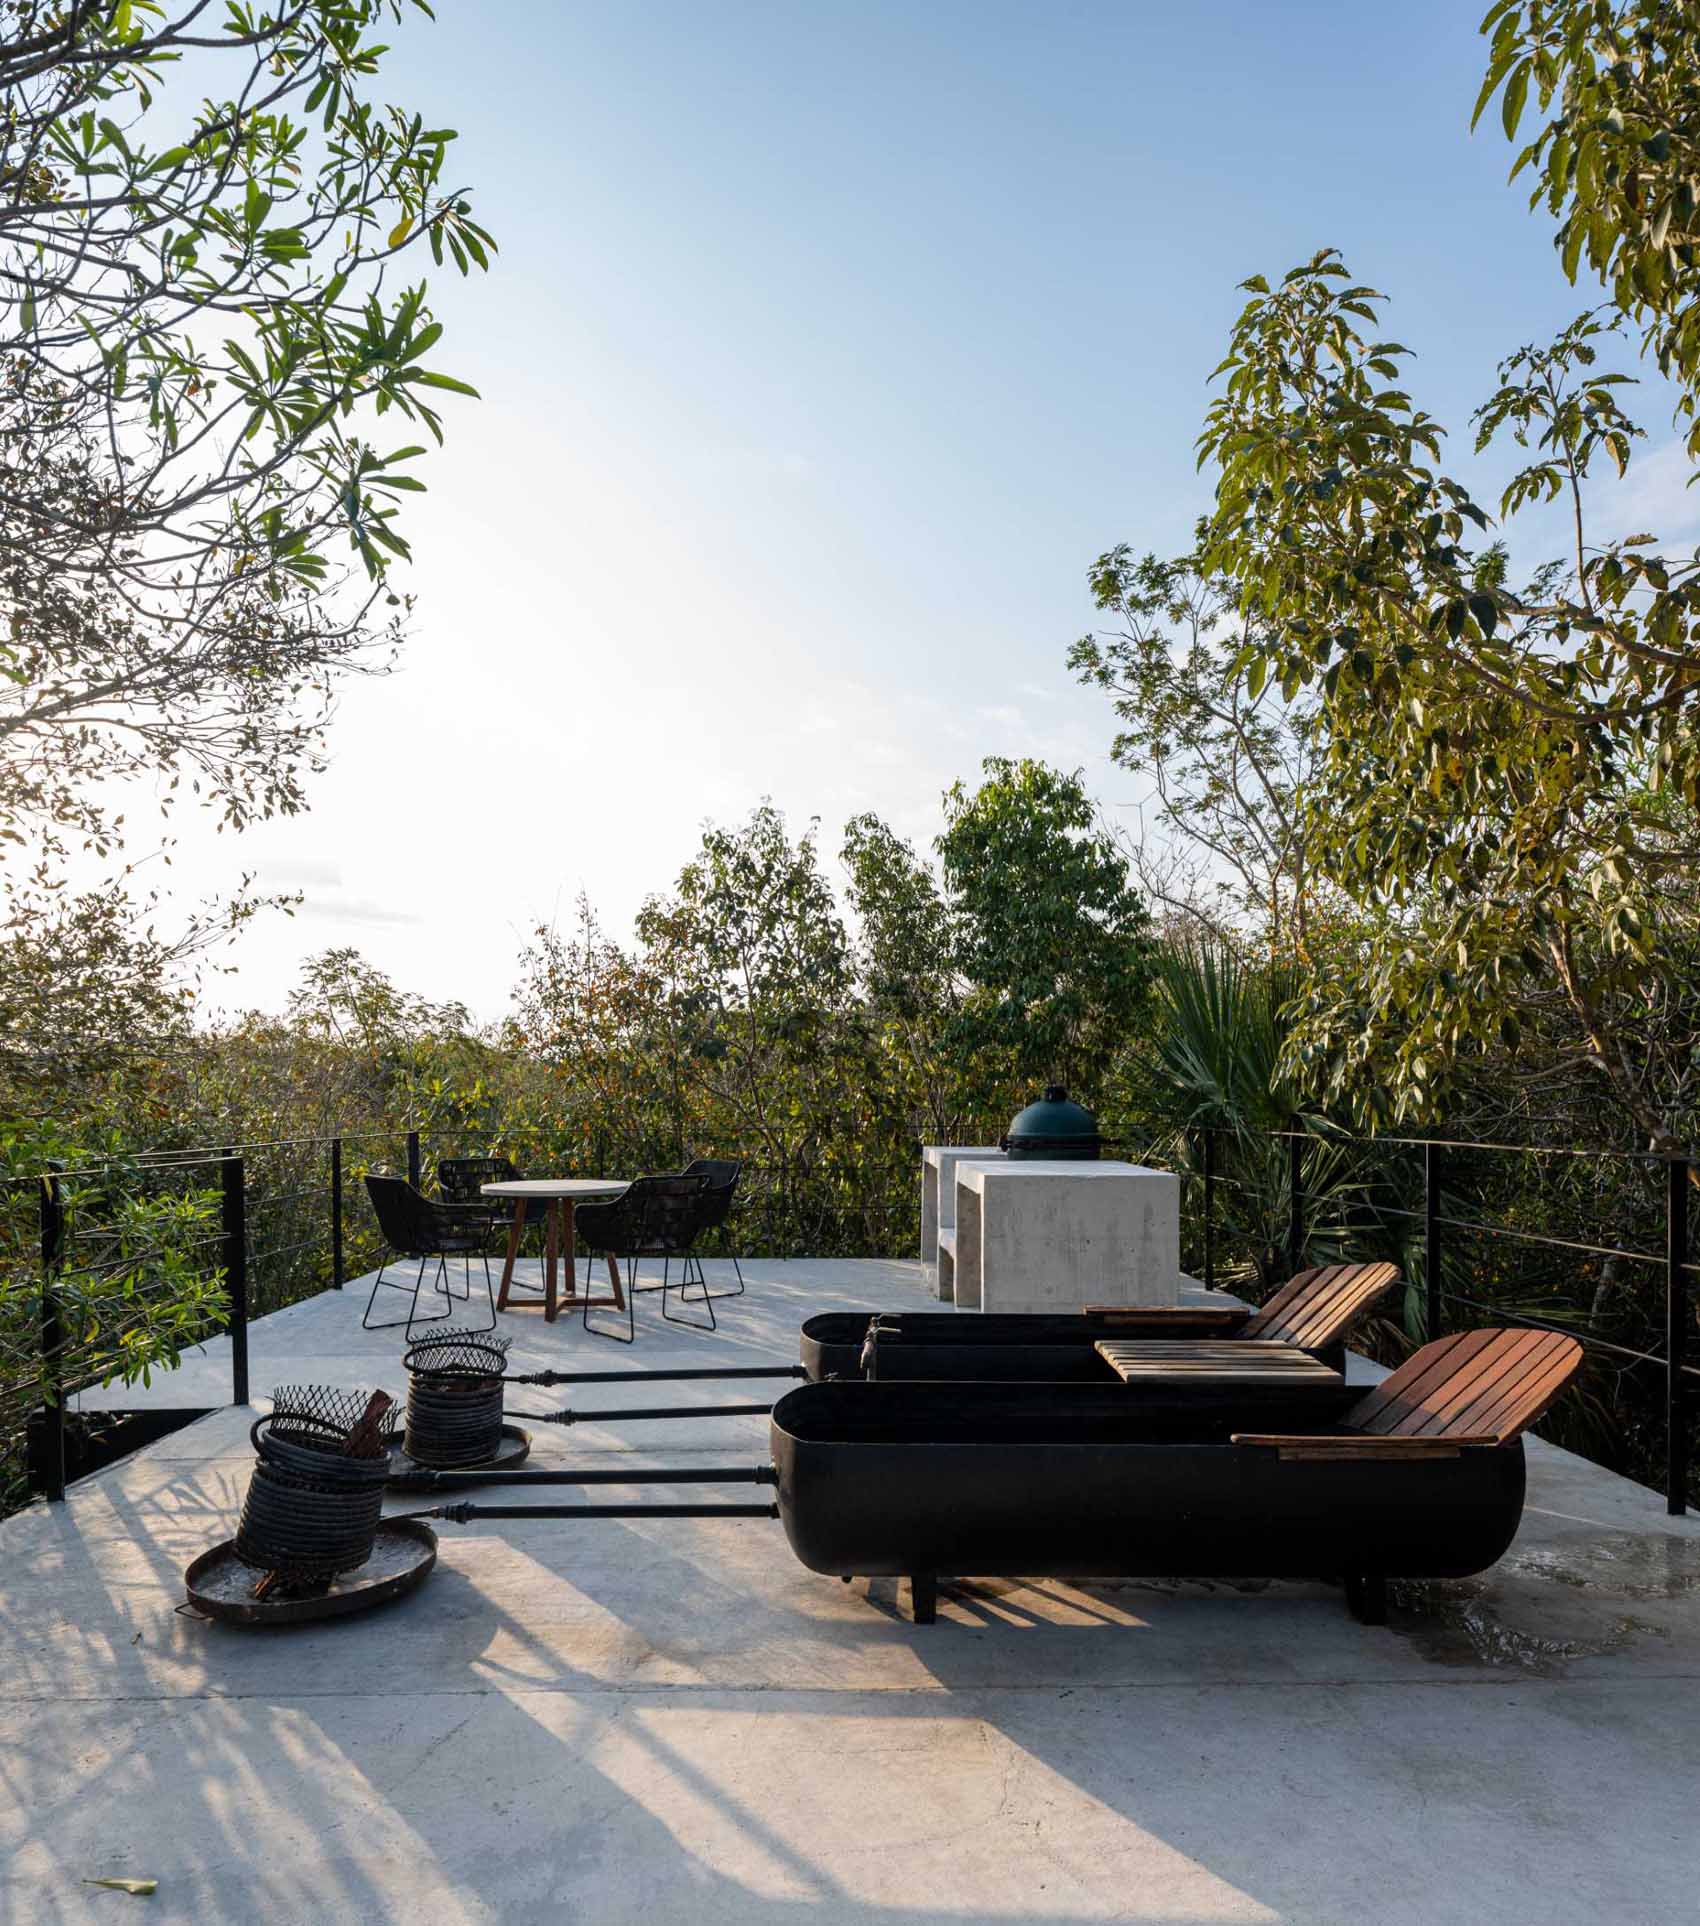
<point>1366,1598</point>
<point>924,1597</point>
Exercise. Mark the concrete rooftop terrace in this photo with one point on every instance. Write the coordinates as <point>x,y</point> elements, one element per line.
<point>671,1720</point>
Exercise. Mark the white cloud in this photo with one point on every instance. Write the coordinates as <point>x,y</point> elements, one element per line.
<point>353,909</point>
<point>294,872</point>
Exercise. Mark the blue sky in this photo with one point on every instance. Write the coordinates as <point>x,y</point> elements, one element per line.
<point>827,346</point>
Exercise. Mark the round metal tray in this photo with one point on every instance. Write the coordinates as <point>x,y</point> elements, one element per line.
<point>219,1584</point>
<point>408,1474</point>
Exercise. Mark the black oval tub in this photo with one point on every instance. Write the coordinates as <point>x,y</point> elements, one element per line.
<point>993,1347</point>
<point>1077,1481</point>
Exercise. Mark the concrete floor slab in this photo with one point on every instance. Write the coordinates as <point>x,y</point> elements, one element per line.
<point>642,1720</point>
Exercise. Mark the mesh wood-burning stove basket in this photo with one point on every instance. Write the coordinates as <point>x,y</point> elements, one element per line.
<point>317,1489</point>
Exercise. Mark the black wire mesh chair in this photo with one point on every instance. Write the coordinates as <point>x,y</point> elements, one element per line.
<point>461,1179</point>
<point>652,1217</point>
<point>423,1227</point>
<point>714,1206</point>
<point>721,1176</point>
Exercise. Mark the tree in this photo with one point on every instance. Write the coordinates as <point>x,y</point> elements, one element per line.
<point>77,977</point>
<point>1049,934</point>
<point>201,327</point>
<point>1229,769</point>
<point>95,998</point>
<point>593,1015</point>
<point>908,978</point>
<point>1617,163</point>
<point>343,999</point>
<point>755,964</point>
<point>1213,1058</point>
<point>1509,776</point>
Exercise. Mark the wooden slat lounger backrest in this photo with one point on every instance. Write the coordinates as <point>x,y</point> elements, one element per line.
<point>1314,1308</point>
<point>1481,1385</point>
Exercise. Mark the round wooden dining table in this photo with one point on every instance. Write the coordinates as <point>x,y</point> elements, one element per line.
<point>559,1195</point>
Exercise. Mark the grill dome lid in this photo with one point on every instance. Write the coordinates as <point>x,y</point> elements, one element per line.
<point>1055,1126</point>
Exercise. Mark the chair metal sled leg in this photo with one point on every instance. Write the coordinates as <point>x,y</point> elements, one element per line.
<point>719,1176</point>
<point>412,1319</point>
<point>621,1296</point>
<point>694,1274</point>
<point>466,1295</point>
<point>445,1280</point>
<point>737,1271</point>
<point>701,1278</point>
<point>690,1323</point>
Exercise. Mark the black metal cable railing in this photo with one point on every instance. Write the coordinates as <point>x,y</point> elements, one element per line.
<point>279,1217</point>
<point>1422,1182</point>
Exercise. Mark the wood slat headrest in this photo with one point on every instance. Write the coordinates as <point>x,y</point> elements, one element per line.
<point>1315,1307</point>
<point>1492,1383</point>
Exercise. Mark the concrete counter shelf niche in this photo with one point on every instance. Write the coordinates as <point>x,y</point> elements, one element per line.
<point>1038,1235</point>
<point>939,1163</point>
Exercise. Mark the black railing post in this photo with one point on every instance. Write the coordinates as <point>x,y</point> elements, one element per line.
<point>52,1459</point>
<point>1295,1188</point>
<point>1432,1309</point>
<point>1209,1208</point>
<point>234,1184</point>
<point>413,1158</point>
<point>1676,1335</point>
<point>336,1213</point>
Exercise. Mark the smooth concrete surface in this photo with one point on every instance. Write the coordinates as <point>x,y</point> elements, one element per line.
<point>1044,1234</point>
<point>938,1208</point>
<point>670,1720</point>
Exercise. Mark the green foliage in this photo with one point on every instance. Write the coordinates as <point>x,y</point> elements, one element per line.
<point>753,962</point>
<point>209,334</point>
<point>913,999</point>
<point>1050,936</point>
<point>1616,162</point>
<point>1219,1029</point>
<point>903,922</point>
<point>752,931</point>
<point>1507,779</point>
<point>137,1279</point>
<point>141,1288</point>
<point>217,264</point>
<point>342,999</point>
<point>1228,767</point>
<point>75,971</point>
<point>1215,1060</point>
<point>1548,394</point>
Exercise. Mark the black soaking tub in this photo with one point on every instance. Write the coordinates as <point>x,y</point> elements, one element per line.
<point>958,1344</point>
<point>1012,1347</point>
<point>1080,1481</point>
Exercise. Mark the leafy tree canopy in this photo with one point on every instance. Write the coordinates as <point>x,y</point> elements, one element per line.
<point>906,963</point>
<point>1229,768</point>
<point>1510,772</point>
<point>902,922</point>
<point>1616,162</point>
<point>206,220</point>
<point>1050,935</point>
